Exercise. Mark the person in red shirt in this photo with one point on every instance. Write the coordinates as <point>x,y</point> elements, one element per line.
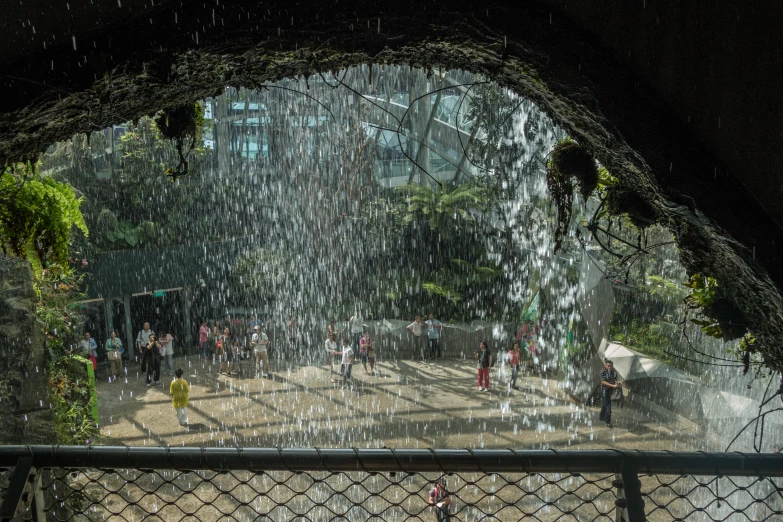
<point>439,499</point>
<point>513,358</point>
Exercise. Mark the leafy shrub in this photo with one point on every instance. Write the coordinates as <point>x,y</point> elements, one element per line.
<point>70,389</point>
<point>37,215</point>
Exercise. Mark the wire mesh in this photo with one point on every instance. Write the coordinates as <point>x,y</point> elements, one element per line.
<point>712,498</point>
<point>132,495</point>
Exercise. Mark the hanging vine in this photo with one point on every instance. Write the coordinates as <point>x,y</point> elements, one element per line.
<point>569,161</point>
<point>183,126</point>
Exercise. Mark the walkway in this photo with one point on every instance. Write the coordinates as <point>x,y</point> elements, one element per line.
<point>407,404</point>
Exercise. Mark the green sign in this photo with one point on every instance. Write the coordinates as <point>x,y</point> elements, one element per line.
<point>158,293</point>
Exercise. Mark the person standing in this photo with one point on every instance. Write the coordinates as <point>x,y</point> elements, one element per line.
<point>246,348</point>
<point>439,498</point>
<point>346,363</point>
<point>484,358</point>
<point>367,352</point>
<point>608,385</point>
<point>151,359</point>
<point>210,347</point>
<point>252,323</point>
<point>224,347</point>
<point>434,329</point>
<point>355,325</point>
<point>203,333</point>
<point>259,341</point>
<point>179,390</point>
<point>89,348</point>
<point>513,357</point>
<point>332,329</point>
<point>331,348</point>
<point>167,342</point>
<point>415,329</point>
<point>143,338</point>
<point>114,352</point>
<point>292,331</point>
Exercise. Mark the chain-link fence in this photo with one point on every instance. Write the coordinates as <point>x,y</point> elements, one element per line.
<point>712,498</point>
<point>243,496</point>
<point>199,484</point>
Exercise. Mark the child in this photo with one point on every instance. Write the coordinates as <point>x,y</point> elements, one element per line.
<point>513,358</point>
<point>179,391</point>
<point>347,361</point>
<point>484,357</point>
<point>366,351</point>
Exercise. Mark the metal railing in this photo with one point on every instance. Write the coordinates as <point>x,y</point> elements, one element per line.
<point>206,484</point>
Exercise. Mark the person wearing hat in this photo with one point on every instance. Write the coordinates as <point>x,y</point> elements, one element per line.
<point>259,342</point>
<point>439,498</point>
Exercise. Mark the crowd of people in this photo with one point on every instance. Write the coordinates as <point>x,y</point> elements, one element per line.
<point>248,341</point>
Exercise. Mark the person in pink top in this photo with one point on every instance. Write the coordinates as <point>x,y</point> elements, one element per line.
<point>203,333</point>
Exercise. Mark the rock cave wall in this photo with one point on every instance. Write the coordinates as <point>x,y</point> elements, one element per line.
<point>193,50</point>
<point>24,399</point>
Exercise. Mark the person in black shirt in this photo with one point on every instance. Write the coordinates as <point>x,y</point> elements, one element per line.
<point>484,357</point>
<point>608,384</point>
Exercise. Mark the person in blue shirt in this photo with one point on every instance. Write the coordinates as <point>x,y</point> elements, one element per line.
<point>89,349</point>
<point>434,329</point>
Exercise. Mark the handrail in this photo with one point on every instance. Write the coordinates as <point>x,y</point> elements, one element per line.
<point>398,460</point>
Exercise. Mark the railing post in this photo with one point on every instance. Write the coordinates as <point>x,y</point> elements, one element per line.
<point>39,502</point>
<point>630,505</point>
<point>19,495</point>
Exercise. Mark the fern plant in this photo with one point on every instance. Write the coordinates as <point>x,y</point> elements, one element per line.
<point>443,208</point>
<point>37,216</point>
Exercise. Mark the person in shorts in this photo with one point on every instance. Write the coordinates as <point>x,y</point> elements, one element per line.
<point>367,352</point>
<point>346,363</point>
<point>260,343</point>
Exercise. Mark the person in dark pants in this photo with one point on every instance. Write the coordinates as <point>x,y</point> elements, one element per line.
<point>439,498</point>
<point>608,385</point>
<point>152,357</point>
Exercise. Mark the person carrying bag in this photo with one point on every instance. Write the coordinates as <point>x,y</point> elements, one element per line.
<point>617,395</point>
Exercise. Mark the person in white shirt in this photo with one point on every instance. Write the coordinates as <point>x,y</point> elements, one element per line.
<point>356,330</point>
<point>331,347</point>
<point>260,343</point>
<point>419,341</point>
<point>167,348</point>
<point>434,329</point>
<point>143,339</point>
<point>346,363</point>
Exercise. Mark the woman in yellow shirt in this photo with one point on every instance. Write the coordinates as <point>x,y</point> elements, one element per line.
<point>179,391</point>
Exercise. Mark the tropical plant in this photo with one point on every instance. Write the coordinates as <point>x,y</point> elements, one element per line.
<point>702,297</point>
<point>37,216</point>
<point>71,406</point>
<point>445,209</point>
<point>569,161</point>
